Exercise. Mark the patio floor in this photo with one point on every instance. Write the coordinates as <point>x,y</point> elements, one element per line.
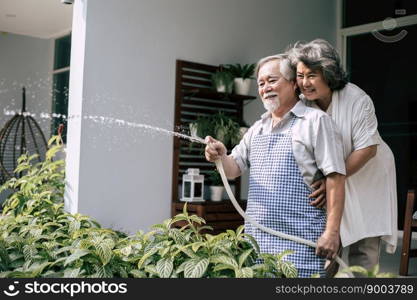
<point>391,262</point>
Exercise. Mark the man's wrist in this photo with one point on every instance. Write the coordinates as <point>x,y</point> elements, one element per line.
<point>331,232</point>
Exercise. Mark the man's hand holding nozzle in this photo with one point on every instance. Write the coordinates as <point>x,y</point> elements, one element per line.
<point>215,149</point>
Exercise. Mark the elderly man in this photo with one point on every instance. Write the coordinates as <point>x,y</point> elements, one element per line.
<point>287,150</point>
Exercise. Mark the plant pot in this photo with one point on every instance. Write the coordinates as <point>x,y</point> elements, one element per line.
<point>220,134</point>
<point>221,88</point>
<point>222,81</point>
<point>193,130</point>
<point>242,86</point>
<point>224,88</point>
<point>242,131</point>
<point>216,193</point>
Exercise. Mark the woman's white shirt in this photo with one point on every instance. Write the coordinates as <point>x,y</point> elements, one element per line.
<point>371,195</point>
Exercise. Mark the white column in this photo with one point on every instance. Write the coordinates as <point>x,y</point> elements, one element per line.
<point>75,102</point>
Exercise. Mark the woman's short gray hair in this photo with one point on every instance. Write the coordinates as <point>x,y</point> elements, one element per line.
<point>320,55</point>
<point>285,67</point>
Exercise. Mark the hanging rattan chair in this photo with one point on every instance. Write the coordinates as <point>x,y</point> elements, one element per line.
<point>21,134</point>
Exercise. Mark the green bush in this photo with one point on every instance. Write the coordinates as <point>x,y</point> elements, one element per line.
<point>39,239</point>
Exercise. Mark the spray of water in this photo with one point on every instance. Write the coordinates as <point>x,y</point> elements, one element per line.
<point>109,121</point>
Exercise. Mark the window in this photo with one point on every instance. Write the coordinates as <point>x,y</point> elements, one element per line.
<point>359,12</point>
<point>61,83</point>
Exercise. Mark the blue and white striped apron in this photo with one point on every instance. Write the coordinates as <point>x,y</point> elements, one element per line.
<point>278,199</point>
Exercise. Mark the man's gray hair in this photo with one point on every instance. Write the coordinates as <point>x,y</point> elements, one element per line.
<point>320,55</point>
<point>285,67</point>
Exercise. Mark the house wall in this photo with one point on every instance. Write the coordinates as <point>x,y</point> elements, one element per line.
<point>120,175</point>
<point>25,61</point>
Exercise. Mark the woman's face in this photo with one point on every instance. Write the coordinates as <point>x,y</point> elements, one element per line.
<point>311,83</point>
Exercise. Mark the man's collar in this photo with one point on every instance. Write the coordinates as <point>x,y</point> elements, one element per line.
<point>298,110</point>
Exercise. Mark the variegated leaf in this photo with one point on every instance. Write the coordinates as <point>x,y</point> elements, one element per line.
<point>223,259</point>
<point>197,219</point>
<point>104,251</point>
<point>126,250</point>
<point>244,273</point>
<point>177,235</point>
<point>288,269</point>
<point>74,225</point>
<point>29,251</point>
<point>146,256</point>
<point>252,241</point>
<point>182,266</point>
<point>189,252</point>
<point>164,267</point>
<point>239,230</point>
<point>138,273</point>
<point>78,253</point>
<point>195,246</point>
<point>196,268</point>
<point>283,254</point>
<point>71,273</point>
<point>221,267</point>
<point>244,256</point>
<point>151,269</point>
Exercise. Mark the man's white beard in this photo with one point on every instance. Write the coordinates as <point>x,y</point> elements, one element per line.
<point>271,106</point>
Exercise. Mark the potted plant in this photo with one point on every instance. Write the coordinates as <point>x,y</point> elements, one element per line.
<point>242,77</point>
<point>193,129</point>
<point>244,127</point>
<point>202,127</point>
<point>222,81</point>
<point>219,126</point>
<point>226,129</point>
<point>216,186</point>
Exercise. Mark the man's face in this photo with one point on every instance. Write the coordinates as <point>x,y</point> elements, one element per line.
<point>273,88</point>
<point>312,83</point>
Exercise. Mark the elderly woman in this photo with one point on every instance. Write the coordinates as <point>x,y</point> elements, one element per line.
<point>285,151</point>
<point>370,212</point>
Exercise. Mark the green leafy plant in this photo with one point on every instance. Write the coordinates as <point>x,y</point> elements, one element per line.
<point>274,266</point>
<point>241,71</point>
<point>215,178</point>
<point>39,239</point>
<point>219,126</point>
<point>362,272</point>
<point>222,81</point>
<point>186,252</point>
